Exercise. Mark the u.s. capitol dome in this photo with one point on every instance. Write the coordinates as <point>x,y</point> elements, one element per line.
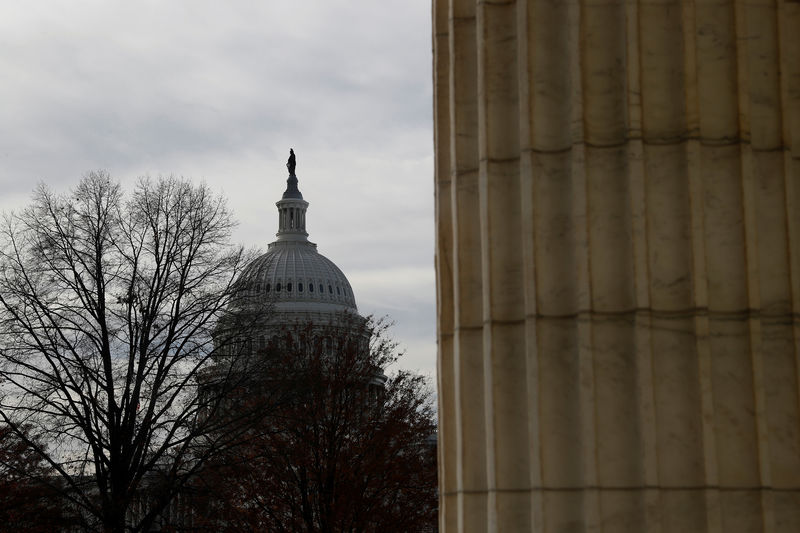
<point>292,276</point>
<point>292,285</point>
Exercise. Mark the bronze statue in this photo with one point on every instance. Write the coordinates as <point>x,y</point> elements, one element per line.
<point>290,164</point>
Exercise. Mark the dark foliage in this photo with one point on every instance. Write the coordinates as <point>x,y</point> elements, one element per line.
<point>347,453</point>
<point>27,501</point>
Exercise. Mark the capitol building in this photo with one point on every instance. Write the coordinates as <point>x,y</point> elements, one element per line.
<point>292,287</point>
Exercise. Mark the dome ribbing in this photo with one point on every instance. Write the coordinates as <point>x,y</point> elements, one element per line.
<point>295,277</point>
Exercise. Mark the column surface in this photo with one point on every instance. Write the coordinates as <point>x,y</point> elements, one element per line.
<point>618,265</point>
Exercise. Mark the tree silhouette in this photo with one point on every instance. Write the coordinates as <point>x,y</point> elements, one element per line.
<point>352,451</point>
<point>110,309</point>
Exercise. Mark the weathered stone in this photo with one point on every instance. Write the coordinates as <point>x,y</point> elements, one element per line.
<point>618,265</point>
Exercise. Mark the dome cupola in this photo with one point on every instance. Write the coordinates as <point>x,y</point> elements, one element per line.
<point>292,208</point>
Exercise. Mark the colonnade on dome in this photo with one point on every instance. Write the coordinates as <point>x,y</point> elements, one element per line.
<point>618,265</point>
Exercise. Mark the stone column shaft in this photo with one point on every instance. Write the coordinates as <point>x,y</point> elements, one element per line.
<point>618,264</point>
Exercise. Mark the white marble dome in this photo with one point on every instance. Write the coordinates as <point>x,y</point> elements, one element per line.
<point>295,277</point>
<point>292,275</point>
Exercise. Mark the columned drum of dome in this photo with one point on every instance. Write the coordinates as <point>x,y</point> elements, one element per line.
<point>292,275</point>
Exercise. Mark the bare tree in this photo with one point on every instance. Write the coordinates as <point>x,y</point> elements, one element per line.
<point>110,309</point>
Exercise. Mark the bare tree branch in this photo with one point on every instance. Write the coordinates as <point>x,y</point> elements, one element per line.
<point>111,308</point>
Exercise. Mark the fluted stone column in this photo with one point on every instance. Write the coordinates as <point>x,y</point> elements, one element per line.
<point>618,265</point>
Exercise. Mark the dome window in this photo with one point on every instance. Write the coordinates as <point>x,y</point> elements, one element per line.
<point>338,292</point>
<point>258,287</point>
<point>300,287</point>
<point>310,287</point>
<point>267,287</point>
<point>289,286</point>
<point>278,287</point>
<point>330,289</point>
<point>321,288</point>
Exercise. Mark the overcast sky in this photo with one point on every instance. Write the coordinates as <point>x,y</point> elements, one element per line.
<point>218,92</point>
